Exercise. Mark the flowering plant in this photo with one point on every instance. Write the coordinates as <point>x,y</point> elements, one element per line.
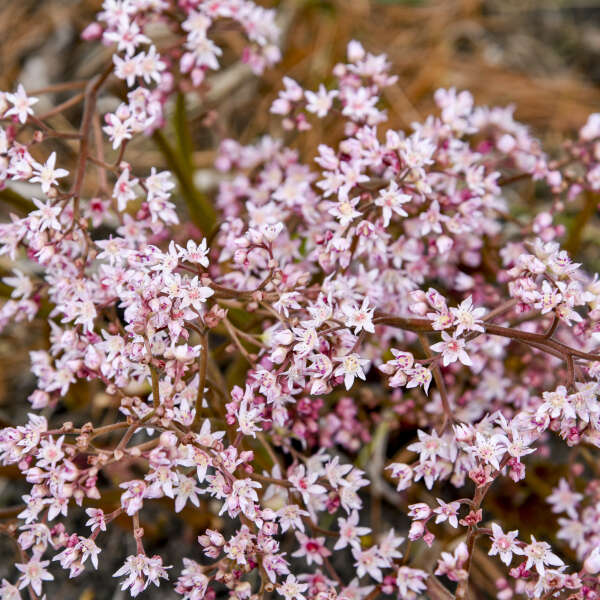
<point>371,327</point>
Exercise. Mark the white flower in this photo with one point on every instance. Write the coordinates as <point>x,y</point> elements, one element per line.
<point>429,446</point>
<point>359,318</point>
<point>539,554</point>
<point>447,512</point>
<point>9,591</point>
<point>248,418</point>
<point>391,200</point>
<point>127,68</point>
<point>195,253</point>
<point>489,448</point>
<point>118,130</point>
<point>21,104</point>
<point>556,404</point>
<point>467,317</point>
<point>504,544</point>
<point>410,579</point>
<point>369,561</point>
<point>34,573</point>
<point>47,175</point>
<point>548,299</point>
<point>292,589</point>
<point>186,490</point>
<point>419,375</point>
<point>23,286</point>
<point>124,191</point>
<point>47,214</point>
<point>320,102</point>
<point>159,185</point>
<point>344,210</point>
<point>137,568</point>
<point>195,295</point>
<point>351,366</point>
<point>564,499</point>
<point>452,349</point>
<point>350,533</point>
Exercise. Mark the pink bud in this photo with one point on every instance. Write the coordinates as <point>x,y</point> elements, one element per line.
<point>92,32</point>
<point>197,76</point>
<point>428,538</point>
<point>416,530</point>
<point>356,51</point>
<point>186,63</point>
<point>444,243</point>
<point>420,511</point>
<point>592,562</point>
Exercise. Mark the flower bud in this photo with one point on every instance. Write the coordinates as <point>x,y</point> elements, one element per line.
<point>92,32</point>
<point>416,530</point>
<point>592,562</point>
<point>420,511</point>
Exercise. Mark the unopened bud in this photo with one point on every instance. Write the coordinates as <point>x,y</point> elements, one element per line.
<point>592,562</point>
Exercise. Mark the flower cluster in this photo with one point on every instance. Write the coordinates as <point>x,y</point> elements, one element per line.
<point>367,327</point>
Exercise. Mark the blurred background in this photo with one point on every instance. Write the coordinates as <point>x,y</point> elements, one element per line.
<point>541,55</point>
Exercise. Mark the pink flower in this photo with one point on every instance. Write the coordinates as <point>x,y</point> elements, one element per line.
<point>141,570</point>
<point>429,446</point>
<point>34,574</point>
<point>351,367</point>
<point>447,511</point>
<point>133,498</point>
<point>350,533</point>
<point>186,490</point>
<point>359,318</point>
<point>563,499</point>
<point>391,200</point>
<point>452,349</point>
<point>451,565</point>
<point>305,483</point>
<point>411,579</point>
<point>504,544</point>
<point>21,105</point>
<point>47,175</point>
<point>369,562</point>
<point>539,555</point>
<point>468,317</point>
<point>320,102</point>
<point>312,548</point>
<point>291,589</point>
